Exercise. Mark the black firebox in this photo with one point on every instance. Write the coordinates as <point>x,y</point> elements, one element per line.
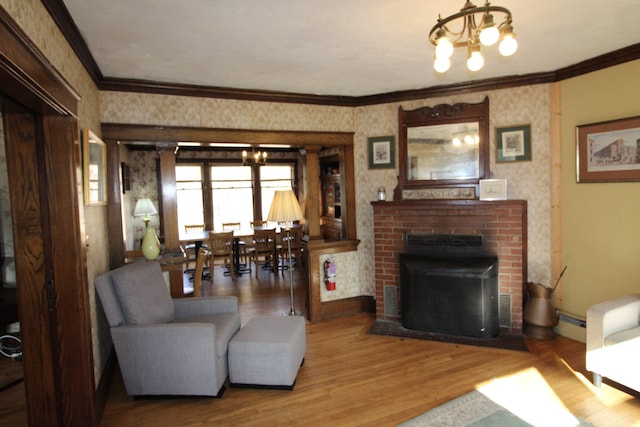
<point>449,285</point>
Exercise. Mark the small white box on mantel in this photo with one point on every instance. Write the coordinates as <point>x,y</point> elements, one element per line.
<point>493,189</point>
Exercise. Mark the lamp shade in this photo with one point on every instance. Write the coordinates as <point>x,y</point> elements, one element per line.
<point>285,207</point>
<point>144,208</point>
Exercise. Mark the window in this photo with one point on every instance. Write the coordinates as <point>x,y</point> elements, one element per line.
<point>213,194</point>
<point>189,195</point>
<point>232,195</point>
<point>273,178</point>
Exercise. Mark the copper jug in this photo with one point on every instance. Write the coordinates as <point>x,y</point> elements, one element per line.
<point>539,314</point>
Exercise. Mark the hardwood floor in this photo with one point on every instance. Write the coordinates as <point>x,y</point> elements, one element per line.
<point>352,378</point>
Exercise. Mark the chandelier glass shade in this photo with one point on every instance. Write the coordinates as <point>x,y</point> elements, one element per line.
<point>257,158</point>
<point>472,27</point>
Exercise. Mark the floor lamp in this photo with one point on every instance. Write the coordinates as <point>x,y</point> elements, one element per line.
<point>286,209</point>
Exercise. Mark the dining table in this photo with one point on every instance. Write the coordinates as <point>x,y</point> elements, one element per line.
<point>199,237</point>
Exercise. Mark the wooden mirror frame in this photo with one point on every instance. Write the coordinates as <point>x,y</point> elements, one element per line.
<point>463,188</point>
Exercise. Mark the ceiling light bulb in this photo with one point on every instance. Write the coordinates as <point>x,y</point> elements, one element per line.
<point>468,139</point>
<point>508,45</point>
<point>489,36</point>
<point>475,61</point>
<point>456,141</point>
<point>441,65</point>
<point>444,48</point>
<point>490,33</point>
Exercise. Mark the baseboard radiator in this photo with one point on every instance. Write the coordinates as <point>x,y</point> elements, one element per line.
<point>572,319</point>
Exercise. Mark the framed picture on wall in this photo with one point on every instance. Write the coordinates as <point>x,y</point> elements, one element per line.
<point>513,143</point>
<point>609,151</point>
<point>382,152</point>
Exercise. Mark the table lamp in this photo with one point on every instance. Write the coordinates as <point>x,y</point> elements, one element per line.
<point>286,209</point>
<point>150,245</point>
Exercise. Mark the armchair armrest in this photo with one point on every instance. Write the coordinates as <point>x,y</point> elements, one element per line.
<point>193,307</point>
<point>608,317</point>
<point>159,359</point>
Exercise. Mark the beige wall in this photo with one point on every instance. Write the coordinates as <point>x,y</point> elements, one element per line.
<point>600,221</point>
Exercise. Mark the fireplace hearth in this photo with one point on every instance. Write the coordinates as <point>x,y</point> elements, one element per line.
<point>502,225</point>
<point>455,295</point>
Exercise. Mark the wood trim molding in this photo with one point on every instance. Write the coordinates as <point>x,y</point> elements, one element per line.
<point>61,17</point>
<point>28,75</point>
<point>150,133</point>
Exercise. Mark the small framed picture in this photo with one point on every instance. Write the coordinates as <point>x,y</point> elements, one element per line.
<point>514,143</point>
<point>382,152</point>
<point>493,189</point>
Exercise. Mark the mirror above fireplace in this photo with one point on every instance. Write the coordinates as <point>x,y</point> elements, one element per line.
<point>443,151</point>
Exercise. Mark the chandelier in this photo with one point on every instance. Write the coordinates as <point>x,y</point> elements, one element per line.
<point>257,158</point>
<point>471,27</point>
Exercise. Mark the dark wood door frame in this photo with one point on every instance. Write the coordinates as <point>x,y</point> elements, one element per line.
<point>43,159</point>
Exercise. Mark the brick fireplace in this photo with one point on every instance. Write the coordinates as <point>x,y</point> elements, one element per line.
<point>503,224</point>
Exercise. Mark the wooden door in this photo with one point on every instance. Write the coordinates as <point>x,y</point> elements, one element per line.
<point>43,159</point>
<point>43,163</point>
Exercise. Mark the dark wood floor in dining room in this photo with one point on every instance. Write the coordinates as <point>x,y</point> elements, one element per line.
<point>352,378</point>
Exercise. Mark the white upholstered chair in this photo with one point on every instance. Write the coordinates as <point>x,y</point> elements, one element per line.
<point>613,341</point>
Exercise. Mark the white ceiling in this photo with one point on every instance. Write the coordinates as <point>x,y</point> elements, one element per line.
<point>333,47</point>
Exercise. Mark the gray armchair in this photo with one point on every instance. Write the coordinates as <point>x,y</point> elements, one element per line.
<point>166,346</point>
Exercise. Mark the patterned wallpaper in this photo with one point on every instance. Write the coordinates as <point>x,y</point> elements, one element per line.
<point>527,180</point>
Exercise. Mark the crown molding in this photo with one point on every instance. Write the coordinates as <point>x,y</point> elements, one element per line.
<point>62,18</point>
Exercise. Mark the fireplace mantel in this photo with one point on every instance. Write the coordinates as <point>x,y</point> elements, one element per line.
<point>502,223</point>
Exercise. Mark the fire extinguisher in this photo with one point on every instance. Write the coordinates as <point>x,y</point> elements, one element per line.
<point>330,275</point>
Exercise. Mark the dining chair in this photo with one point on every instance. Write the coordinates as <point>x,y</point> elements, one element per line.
<point>264,241</point>
<point>295,237</point>
<point>191,248</point>
<point>202,259</point>
<point>228,226</point>
<point>260,223</point>
<point>221,247</point>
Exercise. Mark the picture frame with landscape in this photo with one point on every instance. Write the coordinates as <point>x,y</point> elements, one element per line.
<point>608,151</point>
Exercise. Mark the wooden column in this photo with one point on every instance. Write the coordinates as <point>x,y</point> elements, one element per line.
<point>310,154</point>
<point>172,253</point>
<point>114,205</point>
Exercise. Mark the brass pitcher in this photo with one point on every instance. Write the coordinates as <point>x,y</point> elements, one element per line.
<point>539,314</point>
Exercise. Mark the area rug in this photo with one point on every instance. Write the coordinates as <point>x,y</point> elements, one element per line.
<point>395,329</point>
<point>523,399</point>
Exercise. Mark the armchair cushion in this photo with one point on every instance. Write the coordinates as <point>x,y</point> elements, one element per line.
<point>226,326</point>
<point>623,336</point>
<point>142,293</point>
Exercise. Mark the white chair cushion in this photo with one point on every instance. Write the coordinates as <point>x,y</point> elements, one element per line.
<point>623,336</point>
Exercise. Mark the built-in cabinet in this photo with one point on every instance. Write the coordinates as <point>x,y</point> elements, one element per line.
<point>332,195</point>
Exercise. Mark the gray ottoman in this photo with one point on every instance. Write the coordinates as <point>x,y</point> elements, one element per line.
<point>267,352</point>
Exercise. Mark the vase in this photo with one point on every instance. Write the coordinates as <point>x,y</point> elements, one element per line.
<point>539,314</point>
<point>150,244</point>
